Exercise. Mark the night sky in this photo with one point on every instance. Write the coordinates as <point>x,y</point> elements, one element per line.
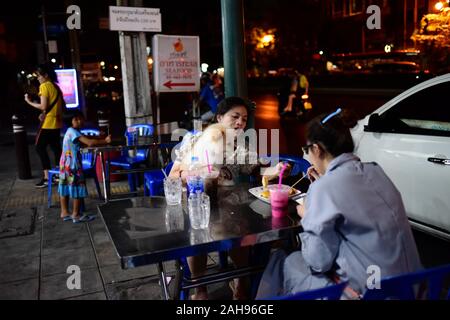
<point>294,21</point>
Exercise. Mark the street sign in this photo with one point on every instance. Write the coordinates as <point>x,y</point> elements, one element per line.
<point>67,81</point>
<point>52,46</point>
<point>176,66</point>
<point>134,19</point>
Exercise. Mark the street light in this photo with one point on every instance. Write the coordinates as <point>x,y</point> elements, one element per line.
<point>439,6</point>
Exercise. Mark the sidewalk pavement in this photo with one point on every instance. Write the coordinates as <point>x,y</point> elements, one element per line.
<point>37,247</point>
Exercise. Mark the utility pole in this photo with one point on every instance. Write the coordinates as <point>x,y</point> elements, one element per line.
<point>405,14</point>
<point>76,61</point>
<point>135,78</point>
<point>234,51</point>
<point>44,31</point>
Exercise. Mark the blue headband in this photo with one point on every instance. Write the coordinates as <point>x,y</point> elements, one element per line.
<point>331,115</point>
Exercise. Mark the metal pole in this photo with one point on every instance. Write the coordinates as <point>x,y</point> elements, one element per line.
<point>234,50</point>
<point>135,78</point>
<point>20,141</point>
<point>44,30</point>
<point>405,9</point>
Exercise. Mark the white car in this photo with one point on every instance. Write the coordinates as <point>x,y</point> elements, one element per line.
<point>409,137</point>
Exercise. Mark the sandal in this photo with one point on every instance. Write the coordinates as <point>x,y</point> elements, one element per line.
<point>67,218</point>
<point>83,218</point>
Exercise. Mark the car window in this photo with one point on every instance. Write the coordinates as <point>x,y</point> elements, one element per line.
<point>426,112</point>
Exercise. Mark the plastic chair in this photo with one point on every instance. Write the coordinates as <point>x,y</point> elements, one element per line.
<point>154,181</point>
<point>88,162</point>
<point>300,165</point>
<point>333,292</point>
<point>401,287</point>
<point>127,162</point>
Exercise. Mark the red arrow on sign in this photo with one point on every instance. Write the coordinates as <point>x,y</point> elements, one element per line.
<point>169,84</point>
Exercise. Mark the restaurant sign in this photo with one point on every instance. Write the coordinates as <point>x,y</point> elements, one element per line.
<point>134,19</point>
<point>176,65</point>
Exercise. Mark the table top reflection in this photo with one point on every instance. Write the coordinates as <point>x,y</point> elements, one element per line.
<point>145,230</point>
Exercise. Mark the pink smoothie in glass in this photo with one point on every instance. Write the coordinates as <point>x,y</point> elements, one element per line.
<point>279,197</point>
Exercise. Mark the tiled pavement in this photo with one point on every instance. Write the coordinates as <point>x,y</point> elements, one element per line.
<point>34,260</point>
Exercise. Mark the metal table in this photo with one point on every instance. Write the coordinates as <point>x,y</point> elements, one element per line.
<point>142,143</point>
<point>146,231</point>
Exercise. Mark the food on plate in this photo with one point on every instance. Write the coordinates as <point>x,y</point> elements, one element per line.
<point>266,194</point>
<point>265,183</point>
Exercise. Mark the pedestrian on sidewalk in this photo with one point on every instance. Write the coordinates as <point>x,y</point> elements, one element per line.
<point>51,104</point>
<point>72,183</point>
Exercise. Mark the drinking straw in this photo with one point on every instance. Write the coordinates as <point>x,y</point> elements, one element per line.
<point>281,175</point>
<point>207,161</point>
<point>298,181</point>
<point>165,174</point>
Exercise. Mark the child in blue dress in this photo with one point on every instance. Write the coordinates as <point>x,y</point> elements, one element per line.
<point>72,183</point>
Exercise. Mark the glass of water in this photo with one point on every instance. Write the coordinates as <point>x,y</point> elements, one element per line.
<point>199,210</point>
<point>173,190</point>
<point>174,218</point>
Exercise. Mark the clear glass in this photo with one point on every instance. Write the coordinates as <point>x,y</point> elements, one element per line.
<point>198,236</point>
<point>174,218</point>
<point>173,190</point>
<point>199,210</point>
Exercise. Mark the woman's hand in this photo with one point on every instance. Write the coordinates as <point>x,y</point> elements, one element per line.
<point>41,117</point>
<point>27,98</point>
<point>301,210</point>
<point>287,171</point>
<point>274,172</point>
<point>312,173</point>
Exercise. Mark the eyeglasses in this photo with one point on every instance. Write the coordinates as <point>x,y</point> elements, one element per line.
<point>306,148</point>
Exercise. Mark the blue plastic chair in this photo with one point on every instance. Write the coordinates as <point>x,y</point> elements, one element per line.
<point>127,162</point>
<point>333,292</point>
<point>88,162</point>
<point>154,181</point>
<point>300,165</point>
<point>401,287</point>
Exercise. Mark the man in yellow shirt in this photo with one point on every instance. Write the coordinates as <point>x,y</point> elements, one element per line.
<point>51,104</point>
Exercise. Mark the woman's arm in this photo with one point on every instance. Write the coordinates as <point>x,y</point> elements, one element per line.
<point>179,170</point>
<point>41,106</point>
<point>274,172</point>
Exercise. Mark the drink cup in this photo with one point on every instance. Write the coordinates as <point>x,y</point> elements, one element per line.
<point>174,218</point>
<point>199,210</point>
<point>211,180</point>
<point>198,236</point>
<point>279,197</point>
<point>173,190</point>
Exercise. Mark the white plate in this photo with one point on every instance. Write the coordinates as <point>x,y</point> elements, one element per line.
<point>258,191</point>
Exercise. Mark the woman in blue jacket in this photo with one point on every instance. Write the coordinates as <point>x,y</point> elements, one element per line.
<point>353,221</point>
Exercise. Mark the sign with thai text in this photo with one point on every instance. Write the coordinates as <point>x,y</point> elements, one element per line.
<point>176,66</point>
<point>134,19</point>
